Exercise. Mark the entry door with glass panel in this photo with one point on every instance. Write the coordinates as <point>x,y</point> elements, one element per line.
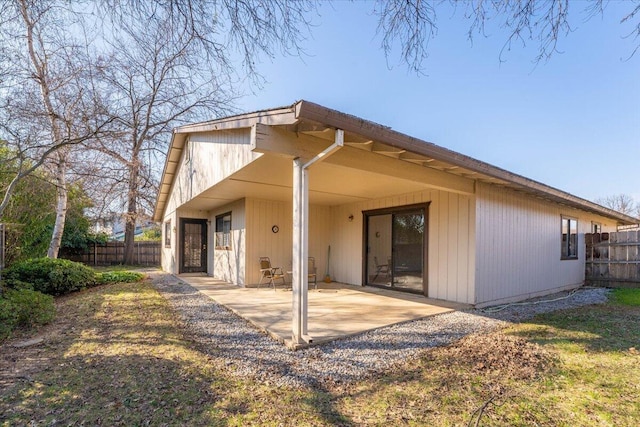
<point>193,247</point>
<point>396,248</point>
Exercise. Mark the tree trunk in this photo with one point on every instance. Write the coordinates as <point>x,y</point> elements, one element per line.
<point>61,205</point>
<point>132,212</point>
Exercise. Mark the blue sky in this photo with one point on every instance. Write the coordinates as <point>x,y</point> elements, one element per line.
<point>572,123</point>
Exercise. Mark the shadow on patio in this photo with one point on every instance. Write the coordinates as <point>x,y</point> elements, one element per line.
<point>336,310</point>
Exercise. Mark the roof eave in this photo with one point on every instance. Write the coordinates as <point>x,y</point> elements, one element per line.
<point>274,116</point>
<point>311,111</point>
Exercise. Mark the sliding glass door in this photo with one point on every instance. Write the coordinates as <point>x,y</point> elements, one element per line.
<point>396,248</point>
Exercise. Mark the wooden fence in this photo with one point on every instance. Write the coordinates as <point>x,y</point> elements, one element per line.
<point>111,253</point>
<point>613,259</point>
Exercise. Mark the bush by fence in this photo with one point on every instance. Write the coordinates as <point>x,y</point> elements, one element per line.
<point>112,253</point>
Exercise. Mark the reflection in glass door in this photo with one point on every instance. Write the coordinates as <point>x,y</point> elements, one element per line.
<point>396,249</point>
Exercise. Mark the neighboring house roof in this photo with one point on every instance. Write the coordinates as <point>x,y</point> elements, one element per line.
<point>315,120</point>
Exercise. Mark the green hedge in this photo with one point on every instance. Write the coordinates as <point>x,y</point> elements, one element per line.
<point>8,318</point>
<point>24,308</point>
<point>50,276</point>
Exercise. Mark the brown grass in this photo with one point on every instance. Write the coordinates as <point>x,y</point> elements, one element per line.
<point>116,355</point>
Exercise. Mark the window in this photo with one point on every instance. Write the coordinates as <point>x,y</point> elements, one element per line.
<point>569,238</point>
<point>223,231</point>
<point>596,227</point>
<point>167,234</point>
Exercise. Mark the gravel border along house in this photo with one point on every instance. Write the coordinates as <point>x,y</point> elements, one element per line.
<point>246,351</point>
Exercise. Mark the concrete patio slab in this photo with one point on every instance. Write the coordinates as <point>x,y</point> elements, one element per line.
<point>336,310</point>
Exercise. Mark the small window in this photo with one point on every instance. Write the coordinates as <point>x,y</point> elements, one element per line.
<point>167,234</point>
<point>223,231</point>
<point>569,238</point>
<point>596,227</point>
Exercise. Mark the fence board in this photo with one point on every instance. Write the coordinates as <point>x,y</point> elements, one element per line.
<point>112,253</point>
<point>613,259</point>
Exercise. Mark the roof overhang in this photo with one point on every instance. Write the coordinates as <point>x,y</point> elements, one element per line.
<point>315,126</point>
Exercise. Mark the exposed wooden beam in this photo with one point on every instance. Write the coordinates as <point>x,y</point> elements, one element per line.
<point>267,139</point>
<point>358,159</point>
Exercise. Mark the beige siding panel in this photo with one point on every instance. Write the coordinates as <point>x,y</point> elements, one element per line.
<point>518,246</point>
<point>207,160</point>
<point>441,228</point>
<point>229,264</point>
<point>450,244</point>
<point>262,215</point>
<point>319,232</point>
<point>346,260</point>
<point>462,256</point>
<point>168,258</point>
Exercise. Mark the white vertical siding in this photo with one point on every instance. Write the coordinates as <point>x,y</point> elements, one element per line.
<point>518,245</point>
<point>451,245</point>
<point>262,215</point>
<point>206,160</point>
<point>229,264</point>
<point>229,151</point>
<point>169,255</point>
<point>319,236</point>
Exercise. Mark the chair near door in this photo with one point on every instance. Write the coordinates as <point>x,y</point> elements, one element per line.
<point>313,272</point>
<point>382,269</point>
<point>270,273</point>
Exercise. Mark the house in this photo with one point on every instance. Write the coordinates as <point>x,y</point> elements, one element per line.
<point>113,225</point>
<point>396,211</point>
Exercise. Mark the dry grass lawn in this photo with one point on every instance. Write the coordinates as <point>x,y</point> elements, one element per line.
<point>117,355</point>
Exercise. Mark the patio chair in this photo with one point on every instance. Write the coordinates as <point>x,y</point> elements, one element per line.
<point>313,271</point>
<point>381,268</point>
<point>271,274</point>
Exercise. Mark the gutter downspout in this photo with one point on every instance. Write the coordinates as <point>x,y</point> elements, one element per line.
<point>300,261</point>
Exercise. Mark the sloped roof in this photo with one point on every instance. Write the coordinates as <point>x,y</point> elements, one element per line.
<point>315,120</point>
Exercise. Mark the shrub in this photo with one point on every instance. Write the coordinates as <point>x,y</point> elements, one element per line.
<point>31,307</point>
<point>8,318</point>
<point>119,277</point>
<point>25,308</point>
<point>51,276</point>
<point>16,284</point>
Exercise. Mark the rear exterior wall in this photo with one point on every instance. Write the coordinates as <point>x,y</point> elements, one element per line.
<point>518,244</point>
<point>451,241</point>
<point>229,151</point>
<point>262,215</point>
<point>228,263</point>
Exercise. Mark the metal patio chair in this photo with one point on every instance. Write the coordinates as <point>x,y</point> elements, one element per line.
<point>383,269</point>
<point>269,273</point>
<point>313,272</point>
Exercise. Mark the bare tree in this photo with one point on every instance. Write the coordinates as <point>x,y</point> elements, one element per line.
<point>621,203</point>
<point>157,77</point>
<point>171,62</point>
<point>162,63</point>
<point>412,24</point>
<point>46,108</point>
<point>252,28</point>
<point>166,62</point>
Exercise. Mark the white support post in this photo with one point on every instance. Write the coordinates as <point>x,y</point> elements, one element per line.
<point>299,263</point>
<point>300,259</point>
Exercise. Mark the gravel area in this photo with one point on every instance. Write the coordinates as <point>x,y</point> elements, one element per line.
<point>246,351</point>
